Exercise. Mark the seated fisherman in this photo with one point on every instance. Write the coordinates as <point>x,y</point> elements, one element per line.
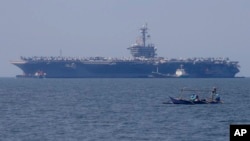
<point>197,98</point>
<point>194,97</point>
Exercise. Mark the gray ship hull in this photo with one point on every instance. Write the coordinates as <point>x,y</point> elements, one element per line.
<point>123,69</point>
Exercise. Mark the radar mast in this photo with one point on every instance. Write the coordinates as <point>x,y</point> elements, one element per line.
<point>141,49</point>
<point>144,31</point>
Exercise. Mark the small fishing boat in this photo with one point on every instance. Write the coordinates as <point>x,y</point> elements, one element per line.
<point>185,101</point>
<point>195,98</point>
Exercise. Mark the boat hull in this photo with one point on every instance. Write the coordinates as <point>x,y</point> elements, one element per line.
<point>184,101</point>
<point>180,101</point>
<point>123,69</point>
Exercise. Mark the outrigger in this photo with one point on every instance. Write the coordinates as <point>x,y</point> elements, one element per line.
<point>194,99</point>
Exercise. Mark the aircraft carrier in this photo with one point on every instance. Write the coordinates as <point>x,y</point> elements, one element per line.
<point>144,63</point>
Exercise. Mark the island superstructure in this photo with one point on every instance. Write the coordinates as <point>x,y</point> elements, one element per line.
<point>144,63</point>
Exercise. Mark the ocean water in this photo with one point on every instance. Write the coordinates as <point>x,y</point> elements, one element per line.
<point>117,110</point>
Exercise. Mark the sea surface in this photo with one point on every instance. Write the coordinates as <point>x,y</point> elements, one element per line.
<point>118,110</point>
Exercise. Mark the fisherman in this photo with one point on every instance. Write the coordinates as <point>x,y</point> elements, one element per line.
<point>194,97</point>
<point>197,98</point>
<point>214,92</point>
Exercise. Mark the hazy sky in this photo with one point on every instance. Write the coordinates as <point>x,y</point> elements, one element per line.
<point>178,28</point>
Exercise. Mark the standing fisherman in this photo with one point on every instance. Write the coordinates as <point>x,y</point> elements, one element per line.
<point>214,91</point>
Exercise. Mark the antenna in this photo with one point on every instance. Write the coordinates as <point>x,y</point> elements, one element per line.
<point>144,32</point>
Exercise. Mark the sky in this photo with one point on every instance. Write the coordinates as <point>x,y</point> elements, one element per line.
<point>178,28</point>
